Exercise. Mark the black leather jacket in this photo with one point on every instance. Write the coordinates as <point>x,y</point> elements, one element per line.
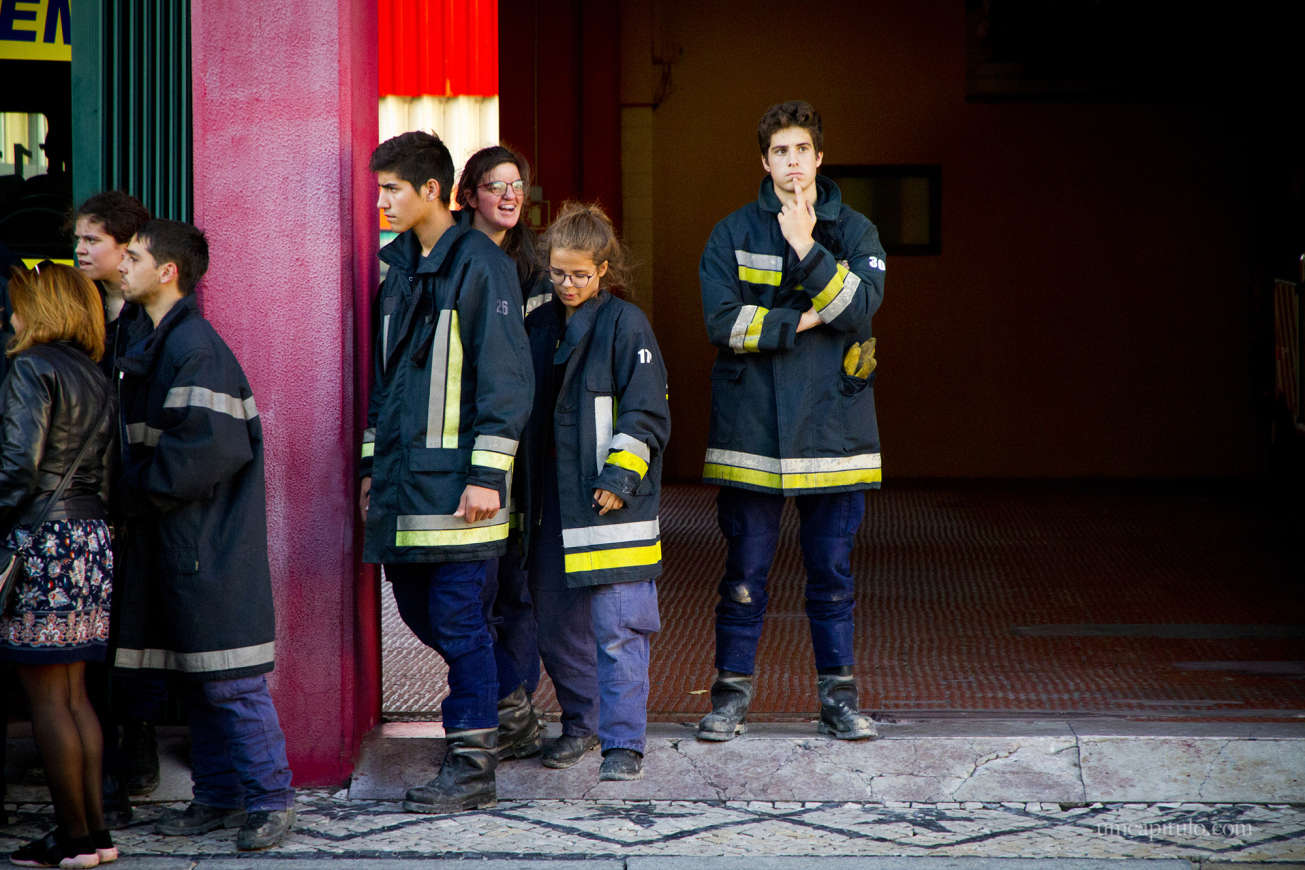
<point>51,400</point>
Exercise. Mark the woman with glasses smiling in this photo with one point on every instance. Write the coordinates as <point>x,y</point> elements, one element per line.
<point>491,194</point>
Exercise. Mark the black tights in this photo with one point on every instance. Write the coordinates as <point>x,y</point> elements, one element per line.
<point>68,736</point>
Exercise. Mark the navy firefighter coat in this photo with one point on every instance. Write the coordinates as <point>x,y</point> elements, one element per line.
<point>784,417</point>
<point>196,593</point>
<point>450,395</point>
<point>610,423</point>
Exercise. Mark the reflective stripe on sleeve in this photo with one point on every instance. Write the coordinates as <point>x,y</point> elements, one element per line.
<point>203,397</point>
<point>628,460</point>
<point>837,295</point>
<point>143,433</point>
<point>368,442</point>
<point>491,459</point>
<point>745,335</point>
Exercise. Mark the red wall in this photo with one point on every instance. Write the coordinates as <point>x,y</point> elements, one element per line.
<point>285,119</point>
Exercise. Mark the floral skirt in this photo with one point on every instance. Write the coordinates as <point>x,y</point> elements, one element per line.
<point>59,611</point>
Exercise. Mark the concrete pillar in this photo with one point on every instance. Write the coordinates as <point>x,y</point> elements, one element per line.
<point>285,118</point>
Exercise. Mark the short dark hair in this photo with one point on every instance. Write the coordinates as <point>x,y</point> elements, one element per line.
<point>416,157</point>
<point>793,113</point>
<point>178,243</point>
<point>121,214</point>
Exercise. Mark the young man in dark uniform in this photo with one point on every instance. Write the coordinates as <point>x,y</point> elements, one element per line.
<point>197,596</point>
<point>451,390</point>
<point>789,283</point>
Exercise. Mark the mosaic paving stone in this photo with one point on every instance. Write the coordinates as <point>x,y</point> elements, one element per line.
<point>330,825</point>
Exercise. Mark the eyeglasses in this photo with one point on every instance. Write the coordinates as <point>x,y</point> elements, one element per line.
<point>498,188</point>
<point>578,279</point>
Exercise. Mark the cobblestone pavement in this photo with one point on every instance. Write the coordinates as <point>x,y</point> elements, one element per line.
<point>330,826</point>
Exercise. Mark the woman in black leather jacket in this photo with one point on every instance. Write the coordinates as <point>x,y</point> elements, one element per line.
<point>52,400</point>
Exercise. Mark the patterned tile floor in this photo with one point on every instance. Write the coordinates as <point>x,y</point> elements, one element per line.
<point>332,827</point>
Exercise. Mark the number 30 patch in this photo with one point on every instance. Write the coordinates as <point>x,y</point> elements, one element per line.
<point>876,263</point>
<point>645,355</point>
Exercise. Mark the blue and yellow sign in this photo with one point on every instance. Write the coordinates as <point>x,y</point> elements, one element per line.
<point>35,30</point>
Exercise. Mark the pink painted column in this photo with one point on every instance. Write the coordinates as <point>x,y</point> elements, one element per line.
<point>285,119</point>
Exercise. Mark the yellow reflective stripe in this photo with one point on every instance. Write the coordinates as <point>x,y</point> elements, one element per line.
<point>626,459</point>
<point>760,276</point>
<point>736,474</point>
<point>490,459</point>
<point>832,289</point>
<point>451,537</point>
<point>792,480</point>
<point>623,557</point>
<point>453,386</point>
<point>752,336</point>
<point>368,449</point>
<point>817,479</point>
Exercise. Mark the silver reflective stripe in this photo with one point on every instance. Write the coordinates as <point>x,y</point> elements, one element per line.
<point>769,262</point>
<point>739,332</point>
<point>843,299</point>
<point>496,443</point>
<point>203,397</point>
<point>537,300</point>
<point>793,466</point>
<point>439,368</point>
<point>143,433</point>
<point>603,429</point>
<point>385,340</point>
<point>444,522</point>
<point>621,533</point>
<point>197,662</point>
<point>369,435</point>
<point>632,444</point>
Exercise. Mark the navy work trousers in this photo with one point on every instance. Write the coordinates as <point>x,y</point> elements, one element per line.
<point>750,523</point>
<point>237,753</point>
<point>441,603</point>
<point>595,641</point>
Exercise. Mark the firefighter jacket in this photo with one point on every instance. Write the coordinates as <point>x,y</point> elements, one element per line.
<point>196,592</point>
<point>601,387</point>
<point>450,395</point>
<point>784,416</point>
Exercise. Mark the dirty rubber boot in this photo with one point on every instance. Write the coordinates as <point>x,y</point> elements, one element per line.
<point>519,732</point>
<point>730,696</point>
<point>839,715</point>
<point>466,778</point>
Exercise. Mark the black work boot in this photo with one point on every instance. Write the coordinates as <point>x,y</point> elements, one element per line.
<point>466,777</point>
<point>140,758</point>
<point>519,732</point>
<point>839,714</point>
<point>730,696</point>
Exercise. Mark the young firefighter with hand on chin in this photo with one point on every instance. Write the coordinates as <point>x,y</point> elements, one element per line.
<point>789,283</point>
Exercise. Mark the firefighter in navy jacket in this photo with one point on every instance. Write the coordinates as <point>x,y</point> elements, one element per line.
<point>197,595</point>
<point>596,440</point>
<point>789,284</point>
<point>450,396</point>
